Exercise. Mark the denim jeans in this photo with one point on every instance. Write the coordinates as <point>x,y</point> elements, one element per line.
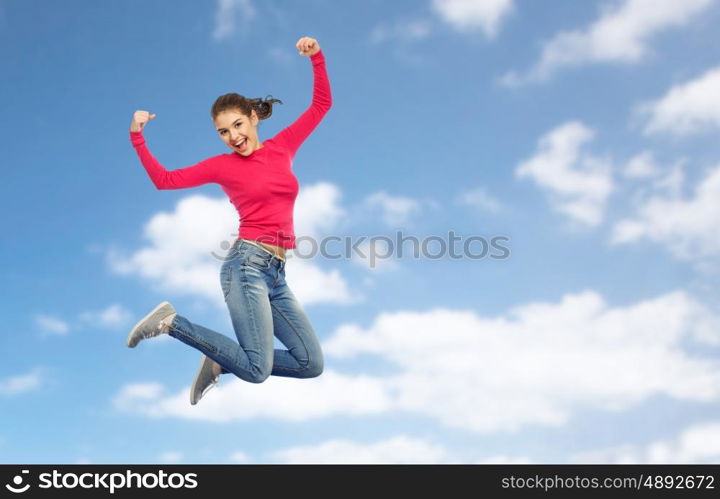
<point>261,305</point>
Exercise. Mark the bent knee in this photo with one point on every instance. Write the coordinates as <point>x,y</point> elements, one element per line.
<point>258,375</point>
<point>313,369</point>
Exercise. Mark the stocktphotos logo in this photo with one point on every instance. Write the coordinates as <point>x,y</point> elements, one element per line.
<point>16,486</point>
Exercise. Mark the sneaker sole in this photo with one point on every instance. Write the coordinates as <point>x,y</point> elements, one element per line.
<point>135,328</point>
<point>203,359</point>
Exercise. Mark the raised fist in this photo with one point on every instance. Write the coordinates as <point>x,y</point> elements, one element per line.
<point>140,118</point>
<point>308,46</point>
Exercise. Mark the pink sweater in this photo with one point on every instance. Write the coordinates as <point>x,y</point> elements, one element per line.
<point>261,186</point>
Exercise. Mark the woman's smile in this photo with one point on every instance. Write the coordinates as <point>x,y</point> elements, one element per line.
<point>241,145</point>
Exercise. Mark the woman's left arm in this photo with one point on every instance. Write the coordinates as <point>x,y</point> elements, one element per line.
<point>294,135</point>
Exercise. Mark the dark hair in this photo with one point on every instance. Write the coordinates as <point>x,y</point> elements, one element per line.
<point>232,101</point>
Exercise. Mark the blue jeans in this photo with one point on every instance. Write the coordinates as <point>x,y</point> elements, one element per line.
<point>261,305</point>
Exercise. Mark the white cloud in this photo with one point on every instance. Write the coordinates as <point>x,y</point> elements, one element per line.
<point>641,166</point>
<point>330,394</point>
<point>698,444</point>
<point>672,182</point>
<point>464,16</point>
<point>229,13</point>
<point>240,457</point>
<point>113,316</point>
<point>21,383</point>
<point>179,257</point>
<point>653,177</point>
<point>538,364</point>
<point>501,459</point>
<point>620,35</point>
<point>136,393</point>
<point>405,31</point>
<point>686,108</point>
<point>688,227</point>
<point>471,15</point>
<point>318,210</point>
<point>318,213</point>
<point>376,253</point>
<point>481,199</point>
<point>282,55</point>
<point>577,183</point>
<point>51,325</point>
<point>395,210</point>
<point>397,450</point>
<point>170,457</point>
<point>186,246</point>
<point>311,284</point>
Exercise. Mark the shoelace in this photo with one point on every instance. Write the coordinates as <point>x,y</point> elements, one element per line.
<point>163,325</point>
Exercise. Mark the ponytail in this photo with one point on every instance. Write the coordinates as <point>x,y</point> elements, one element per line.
<point>263,107</point>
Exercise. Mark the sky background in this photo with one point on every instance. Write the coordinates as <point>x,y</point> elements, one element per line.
<point>584,132</point>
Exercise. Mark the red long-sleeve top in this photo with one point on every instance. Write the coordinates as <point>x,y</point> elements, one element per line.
<point>261,186</point>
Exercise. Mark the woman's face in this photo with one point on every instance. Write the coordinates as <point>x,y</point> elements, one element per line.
<point>238,131</point>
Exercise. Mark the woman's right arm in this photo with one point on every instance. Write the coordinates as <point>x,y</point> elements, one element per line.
<point>204,172</point>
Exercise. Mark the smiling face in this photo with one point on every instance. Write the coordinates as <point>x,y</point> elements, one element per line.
<point>238,131</point>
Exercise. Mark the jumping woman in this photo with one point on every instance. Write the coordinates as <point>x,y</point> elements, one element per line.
<point>258,179</point>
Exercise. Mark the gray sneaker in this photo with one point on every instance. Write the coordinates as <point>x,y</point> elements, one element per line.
<point>153,324</point>
<point>204,380</point>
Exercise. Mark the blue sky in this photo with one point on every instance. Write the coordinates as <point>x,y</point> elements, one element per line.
<point>585,132</point>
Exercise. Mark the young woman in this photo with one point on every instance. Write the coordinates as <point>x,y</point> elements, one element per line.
<point>258,179</point>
